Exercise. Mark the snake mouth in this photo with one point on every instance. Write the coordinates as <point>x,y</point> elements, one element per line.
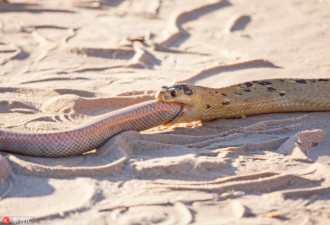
<point>180,113</point>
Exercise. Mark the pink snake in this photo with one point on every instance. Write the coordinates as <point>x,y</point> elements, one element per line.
<point>92,135</point>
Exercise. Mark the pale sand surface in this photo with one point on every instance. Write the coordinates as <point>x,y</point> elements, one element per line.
<point>65,62</point>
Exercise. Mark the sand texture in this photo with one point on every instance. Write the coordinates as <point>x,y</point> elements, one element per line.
<point>63,63</point>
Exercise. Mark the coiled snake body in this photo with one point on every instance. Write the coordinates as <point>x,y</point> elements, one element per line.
<point>178,103</point>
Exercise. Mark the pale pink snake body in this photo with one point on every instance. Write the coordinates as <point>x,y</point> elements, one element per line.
<point>90,136</point>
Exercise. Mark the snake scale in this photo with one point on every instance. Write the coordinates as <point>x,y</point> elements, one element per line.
<point>177,103</point>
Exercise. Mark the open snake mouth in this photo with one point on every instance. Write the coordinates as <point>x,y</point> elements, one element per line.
<point>180,113</point>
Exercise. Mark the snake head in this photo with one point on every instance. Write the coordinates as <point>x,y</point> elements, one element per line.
<point>179,93</point>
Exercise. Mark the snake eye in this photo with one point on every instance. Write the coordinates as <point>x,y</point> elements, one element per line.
<point>173,94</point>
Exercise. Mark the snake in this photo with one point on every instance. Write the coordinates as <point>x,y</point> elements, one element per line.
<point>174,104</point>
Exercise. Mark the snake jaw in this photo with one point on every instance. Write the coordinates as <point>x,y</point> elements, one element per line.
<point>180,94</point>
<point>164,96</point>
<point>180,114</point>
<point>184,108</point>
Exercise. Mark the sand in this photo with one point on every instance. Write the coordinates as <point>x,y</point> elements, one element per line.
<point>65,62</point>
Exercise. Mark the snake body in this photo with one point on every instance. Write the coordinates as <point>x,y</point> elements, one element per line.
<point>178,103</point>
<point>93,135</point>
<point>250,98</point>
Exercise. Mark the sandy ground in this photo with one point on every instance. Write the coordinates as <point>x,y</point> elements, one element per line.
<point>65,62</point>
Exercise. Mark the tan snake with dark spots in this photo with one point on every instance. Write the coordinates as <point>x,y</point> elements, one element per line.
<point>250,98</point>
<point>178,103</point>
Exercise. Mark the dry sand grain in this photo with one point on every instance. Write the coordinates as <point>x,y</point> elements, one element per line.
<point>64,62</point>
